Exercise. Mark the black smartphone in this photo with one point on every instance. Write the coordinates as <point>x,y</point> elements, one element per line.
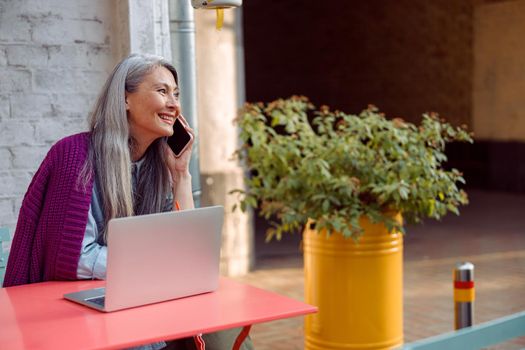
<point>180,139</point>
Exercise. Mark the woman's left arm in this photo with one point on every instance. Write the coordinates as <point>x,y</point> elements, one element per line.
<point>182,192</point>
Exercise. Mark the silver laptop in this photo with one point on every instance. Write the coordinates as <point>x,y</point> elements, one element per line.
<point>158,257</point>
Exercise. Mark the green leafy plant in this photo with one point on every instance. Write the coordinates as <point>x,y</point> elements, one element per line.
<point>334,167</point>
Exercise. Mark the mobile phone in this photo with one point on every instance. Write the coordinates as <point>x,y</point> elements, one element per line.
<point>180,139</point>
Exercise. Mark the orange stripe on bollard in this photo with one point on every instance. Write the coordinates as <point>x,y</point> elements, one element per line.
<point>464,295</point>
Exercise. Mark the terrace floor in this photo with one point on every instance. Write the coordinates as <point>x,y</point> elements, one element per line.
<point>490,233</point>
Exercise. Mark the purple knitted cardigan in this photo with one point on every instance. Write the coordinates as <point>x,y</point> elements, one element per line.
<point>53,217</point>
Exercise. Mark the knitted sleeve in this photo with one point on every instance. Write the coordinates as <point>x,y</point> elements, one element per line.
<point>18,265</point>
<point>67,223</point>
<point>48,236</point>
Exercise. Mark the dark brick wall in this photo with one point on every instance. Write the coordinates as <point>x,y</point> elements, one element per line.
<point>490,165</point>
<point>405,56</point>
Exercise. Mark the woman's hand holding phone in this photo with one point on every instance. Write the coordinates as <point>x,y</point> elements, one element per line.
<point>179,146</point>
<point>178,154</point>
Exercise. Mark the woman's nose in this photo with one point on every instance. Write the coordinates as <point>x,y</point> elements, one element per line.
<point>173,102</point>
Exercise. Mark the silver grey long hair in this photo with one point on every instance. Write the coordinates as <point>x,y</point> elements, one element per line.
<point>111,146</point>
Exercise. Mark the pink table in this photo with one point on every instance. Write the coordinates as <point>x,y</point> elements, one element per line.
<point>35,316</point>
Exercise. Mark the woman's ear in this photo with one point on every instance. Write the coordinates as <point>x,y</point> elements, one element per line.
<point>126,101</point>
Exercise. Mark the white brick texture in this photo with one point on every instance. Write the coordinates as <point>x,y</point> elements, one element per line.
<point>13,27</point>
<point>14,183</point>
<point>3,56</point>
<point>26,55</point>
<point>28,157</point>
<point>28,106</point>
<point>14,133</point>
<point>67,80</point>
<point>54,58</point>
<point>87,56</point>
<point>50,130</point>
<point>5,110</point>
<point>5,158</point>
<point>52,31</point>
<point>15,80</point>
<point>7,211</point>
<point>73,105</point>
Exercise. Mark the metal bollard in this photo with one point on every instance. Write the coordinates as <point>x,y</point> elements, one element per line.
<point>464,295</point>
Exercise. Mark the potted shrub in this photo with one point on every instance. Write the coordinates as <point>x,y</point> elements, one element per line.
<point>342,176</point>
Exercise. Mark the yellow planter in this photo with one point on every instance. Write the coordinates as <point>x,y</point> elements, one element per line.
<point>358,288</point>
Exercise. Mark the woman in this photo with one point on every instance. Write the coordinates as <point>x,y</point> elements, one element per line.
<point>122,167</point>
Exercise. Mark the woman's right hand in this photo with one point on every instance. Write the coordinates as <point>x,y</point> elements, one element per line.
<point>180,165</point>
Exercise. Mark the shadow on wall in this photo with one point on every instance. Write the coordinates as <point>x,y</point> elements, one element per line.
<point>490,165</point>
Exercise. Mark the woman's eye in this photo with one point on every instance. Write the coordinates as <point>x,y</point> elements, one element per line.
<point>176,95</point>
<point>162,91</point>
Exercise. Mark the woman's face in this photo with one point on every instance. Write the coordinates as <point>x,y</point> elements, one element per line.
<point>153,107</point>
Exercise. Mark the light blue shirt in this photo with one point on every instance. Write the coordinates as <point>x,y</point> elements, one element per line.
<point>93,254</point>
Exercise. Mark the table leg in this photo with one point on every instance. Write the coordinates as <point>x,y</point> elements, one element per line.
<point>199,342</point>
<point>240,338</point>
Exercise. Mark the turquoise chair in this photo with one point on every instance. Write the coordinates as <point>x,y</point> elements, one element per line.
<point>4,237</point>
<point>475,337</point>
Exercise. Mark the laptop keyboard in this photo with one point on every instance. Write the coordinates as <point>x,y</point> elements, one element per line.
<point>98,300</point>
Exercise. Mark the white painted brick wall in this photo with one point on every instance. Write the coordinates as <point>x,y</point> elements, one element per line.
<point>54,57</point>
<point>72,104</point>
<point>88,56</point>
<point>4,106</point>
<point>26,55</point>
<point>7,209</point>
<point>67,80</point>
<point>162,29</point>
<point>5,158</point>
<point>16,132</point>
<point>12,27</point>
<point>28,157</point>
<point>56,31</point>
<point>3,56</point>
<point>30,108</point>
<point>14,183</point>
<point>149,27</point>
<point>15,79</point>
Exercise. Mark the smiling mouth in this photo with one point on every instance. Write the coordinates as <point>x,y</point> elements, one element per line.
<point>167,118</point>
